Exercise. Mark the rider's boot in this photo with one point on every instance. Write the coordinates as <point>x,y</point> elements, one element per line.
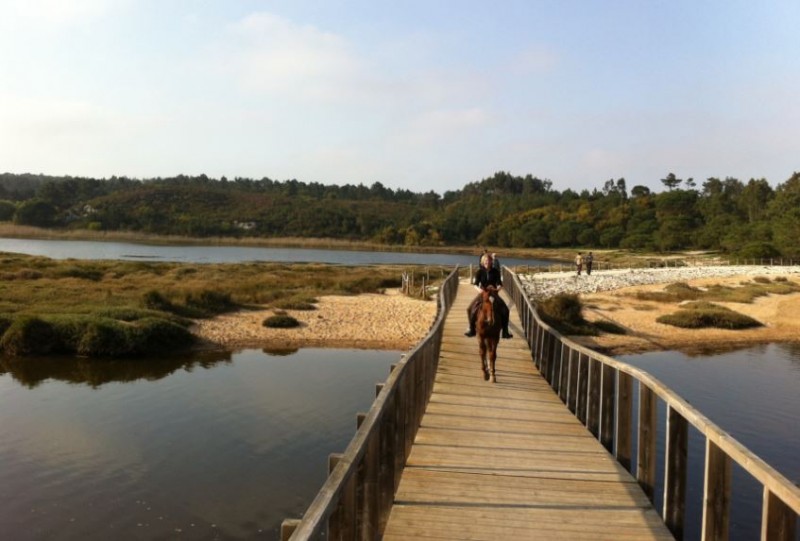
<point>471,331</point>
<point>507,334</point>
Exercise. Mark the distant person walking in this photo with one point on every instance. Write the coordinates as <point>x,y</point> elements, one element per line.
<point>589,260</point>
<point>579,263</point>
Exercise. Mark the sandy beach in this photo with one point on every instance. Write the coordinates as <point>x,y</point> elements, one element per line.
<point>370,321</point>
<point>394,321</point>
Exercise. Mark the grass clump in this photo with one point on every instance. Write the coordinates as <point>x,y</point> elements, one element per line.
<point>295,304</point>
<point>699,315</point>
<point>281,321</point>
<point>677,292</point>
<point>564,312</point>
<point>29,335</point>
<point>92,336</point>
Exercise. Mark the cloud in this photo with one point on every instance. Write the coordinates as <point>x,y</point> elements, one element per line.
<point>270,54</point>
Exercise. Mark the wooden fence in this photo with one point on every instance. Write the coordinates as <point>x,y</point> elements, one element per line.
<point>599,391</point>
<point>355,500</point>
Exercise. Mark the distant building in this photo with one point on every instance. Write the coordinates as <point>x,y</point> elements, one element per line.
<point>247,226</point>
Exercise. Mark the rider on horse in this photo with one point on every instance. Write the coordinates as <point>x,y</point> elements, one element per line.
<point>487,276</point>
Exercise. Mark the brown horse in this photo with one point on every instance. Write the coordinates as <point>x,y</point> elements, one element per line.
<point>488,333</point>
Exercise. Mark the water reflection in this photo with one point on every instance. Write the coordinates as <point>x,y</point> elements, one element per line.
<point>750,393</point>
<point>217,446</point>
<point>277,352</point>
<point>32,371</point>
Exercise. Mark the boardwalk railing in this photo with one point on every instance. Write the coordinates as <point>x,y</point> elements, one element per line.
<point>355,500</point>
<point>599,391</point>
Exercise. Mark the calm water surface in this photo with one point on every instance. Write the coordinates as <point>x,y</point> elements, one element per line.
<point>79,249</point>
<point>217,447</point>
<point>753,394</point>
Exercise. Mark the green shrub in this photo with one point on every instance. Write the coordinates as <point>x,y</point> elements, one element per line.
<point>281,321</point>
<point>5,323</point>
<point>81,272</point>
<point>704,314</point>
<point>564,313</point>
<point>156,301</point>
<point>758,250</point>
<point>210,302</point>
<point>105,338</point>
<point>566,307</point>
<point>157,335</point>
<point>761,280</point>
<point>29,336</point>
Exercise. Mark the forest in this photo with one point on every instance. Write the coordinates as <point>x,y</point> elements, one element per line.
<point>746,219</point>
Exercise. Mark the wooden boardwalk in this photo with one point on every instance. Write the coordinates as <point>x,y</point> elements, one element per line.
<point>509,460</point>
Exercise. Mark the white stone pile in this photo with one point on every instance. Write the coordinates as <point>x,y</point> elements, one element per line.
<point>544,285</point>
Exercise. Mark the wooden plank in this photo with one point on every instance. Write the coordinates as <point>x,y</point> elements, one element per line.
<point>508,460</point>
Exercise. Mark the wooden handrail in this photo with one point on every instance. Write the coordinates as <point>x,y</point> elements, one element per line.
<point>593,384</point>
<point>355,500</point>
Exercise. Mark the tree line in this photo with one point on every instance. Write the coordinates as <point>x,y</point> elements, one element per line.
<point>748,219</point>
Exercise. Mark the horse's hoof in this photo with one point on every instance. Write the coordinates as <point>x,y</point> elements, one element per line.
<point>485,375</point>
<point>492,379</point>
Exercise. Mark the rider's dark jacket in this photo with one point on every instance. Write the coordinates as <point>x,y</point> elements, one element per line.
<point>484,278</point>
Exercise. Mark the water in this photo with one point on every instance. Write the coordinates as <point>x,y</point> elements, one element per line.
<point>80,249</point>
<point>754,395</point>
<point>218,446</point>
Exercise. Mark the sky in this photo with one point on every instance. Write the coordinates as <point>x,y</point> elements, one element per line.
<point>418,95</point>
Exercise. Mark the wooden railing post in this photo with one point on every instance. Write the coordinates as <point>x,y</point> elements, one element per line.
<point>716,494</point>
<point>646,456</point>
<point>342,523</point>
<point>583,388</point>
<point>572,398</point>
<point>593,414</point>
<point>778,520</point>
<point>563,386</point>
<point>676,454</point>
<point>607,401</point>
<point>624,420</point>
<point>288,526</point>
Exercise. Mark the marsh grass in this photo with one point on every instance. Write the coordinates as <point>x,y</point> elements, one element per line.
<point>148,306</point>
<point>703,314</point>
<point>565,313</point>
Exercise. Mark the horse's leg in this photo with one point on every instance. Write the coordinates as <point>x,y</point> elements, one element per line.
<point>492,359</point>
<point>483,354</point>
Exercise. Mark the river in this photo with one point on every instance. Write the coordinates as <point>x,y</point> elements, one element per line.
<point>81,249</point>
<point>226,445</point>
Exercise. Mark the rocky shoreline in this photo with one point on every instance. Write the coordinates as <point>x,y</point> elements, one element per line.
<point>544,285</point>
